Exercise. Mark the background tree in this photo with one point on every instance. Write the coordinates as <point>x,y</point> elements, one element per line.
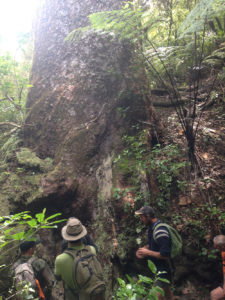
<point>172,35</point>
<point>14,84</point>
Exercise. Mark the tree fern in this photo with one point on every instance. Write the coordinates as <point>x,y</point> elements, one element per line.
<point>204,11</point>
<point>123,23</point>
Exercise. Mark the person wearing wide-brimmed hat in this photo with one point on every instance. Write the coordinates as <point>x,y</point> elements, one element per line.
<point>86,240</point>
<point>73,232</point>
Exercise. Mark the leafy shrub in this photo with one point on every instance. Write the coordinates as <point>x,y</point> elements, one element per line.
<point>164,163</point>
<point>142,288</point>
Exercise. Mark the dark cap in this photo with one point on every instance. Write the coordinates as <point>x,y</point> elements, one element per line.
<point>26,245</point>
<point>146,210</point>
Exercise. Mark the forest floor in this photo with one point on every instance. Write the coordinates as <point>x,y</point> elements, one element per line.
<point>210,145</point>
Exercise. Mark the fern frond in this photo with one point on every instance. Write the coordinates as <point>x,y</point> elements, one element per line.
<point>75,35</point>
<point>204,11</point>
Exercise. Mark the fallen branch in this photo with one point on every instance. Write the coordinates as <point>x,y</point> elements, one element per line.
<point>10,124</point>
<point>11,131</point>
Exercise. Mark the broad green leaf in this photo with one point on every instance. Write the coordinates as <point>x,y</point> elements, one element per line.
<point>2,245</point>
<point>29,235</point>
<point>159,290</point>
<point>40,217</point>
<point>121,282</point>
<point>8,230</point>
<point>53,216</point>
<point>32,223</point>
<point>152,266</point>
<point>129,278</point>
<point>58,221</point>
<point>48,226</point>
<point>145,279</point>
<point>17,236</point>
<point>164,280</point>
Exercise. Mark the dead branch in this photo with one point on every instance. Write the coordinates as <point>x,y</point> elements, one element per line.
<point>11,131</point>
<point>10,124</point>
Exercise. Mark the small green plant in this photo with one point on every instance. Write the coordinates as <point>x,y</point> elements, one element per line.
<point>208,253</point>
<point>142,288</point>
<point>164,163</point>
<point>119,193</point>
<point>23,226</point>
<point>202,222</point>
<point>25,291</point>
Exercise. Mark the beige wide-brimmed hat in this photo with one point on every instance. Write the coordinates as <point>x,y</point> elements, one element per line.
<point>73,230</point>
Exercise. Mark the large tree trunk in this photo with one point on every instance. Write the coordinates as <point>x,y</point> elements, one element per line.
<point>72,106</point>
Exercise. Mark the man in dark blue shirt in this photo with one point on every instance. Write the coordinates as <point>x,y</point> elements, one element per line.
<point>158,249</point>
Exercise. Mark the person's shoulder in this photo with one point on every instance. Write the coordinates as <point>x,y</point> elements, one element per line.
<point>16,263</point>
<point>61,258</point>
<point>161,231</point>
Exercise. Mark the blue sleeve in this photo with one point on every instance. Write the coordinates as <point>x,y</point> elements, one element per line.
<point>163,240</point>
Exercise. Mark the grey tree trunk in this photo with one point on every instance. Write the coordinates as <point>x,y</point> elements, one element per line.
<point>72,106</point>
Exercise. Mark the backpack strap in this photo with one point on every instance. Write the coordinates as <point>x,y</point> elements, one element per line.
<point>31,260</point>
<point>158,233</point>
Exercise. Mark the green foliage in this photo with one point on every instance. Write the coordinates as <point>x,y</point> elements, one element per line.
<point>14,78</point>
<point>9,147</point>
<point>216,58</point>
<point>29,160</point>
<point>122,23</point>
<point>14,85</point>
<point>168,61</point>
<point>123,193</point>
<point>119,193</point>
<point>23,226</point>
<point>142,288</point>
<point>208,253</point>
<point>203,12</point>
<point>164,163</point>
<point>24,291</point>
<point>201,222</point>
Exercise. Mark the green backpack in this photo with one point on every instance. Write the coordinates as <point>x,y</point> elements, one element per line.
<point>87,271</point>
<point>176,240</point>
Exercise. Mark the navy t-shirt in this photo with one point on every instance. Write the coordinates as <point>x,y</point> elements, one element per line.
<point>162,244</point>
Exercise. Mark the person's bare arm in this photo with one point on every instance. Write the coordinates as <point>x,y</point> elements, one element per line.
<point>143,252</point>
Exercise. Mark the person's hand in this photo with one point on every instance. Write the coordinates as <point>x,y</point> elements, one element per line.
<point>143,251</point>
<point>138,255</point>
<point>217,293</point>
